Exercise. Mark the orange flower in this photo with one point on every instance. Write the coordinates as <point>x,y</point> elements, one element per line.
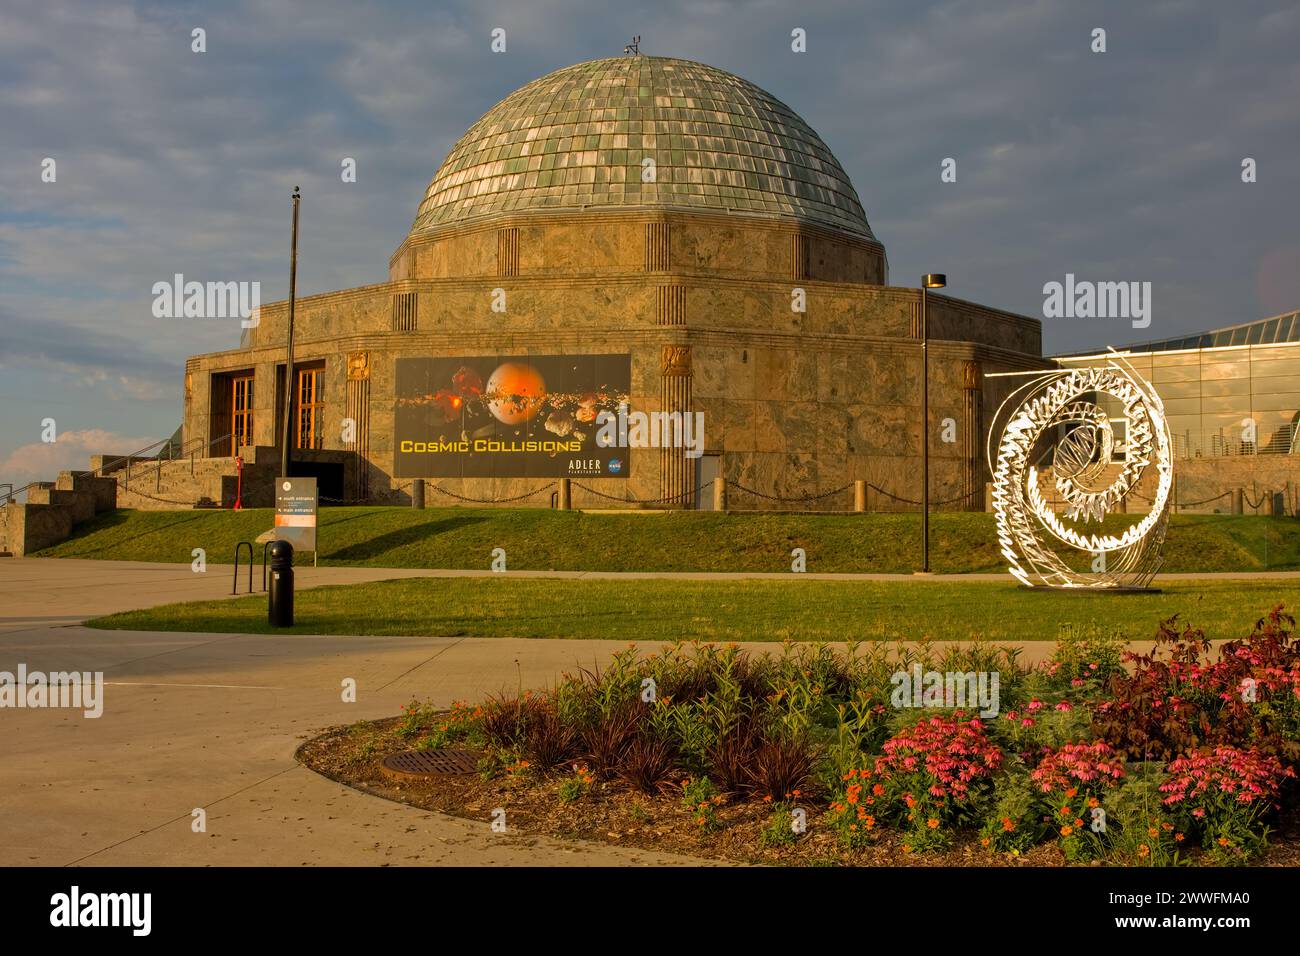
<point>1066,830</point>
<point>1223,841</point>
<point>1143,850</point>
<point>984,841</point>
<point>932,823</point>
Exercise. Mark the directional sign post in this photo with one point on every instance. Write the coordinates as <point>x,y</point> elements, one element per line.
<point>296,504</point>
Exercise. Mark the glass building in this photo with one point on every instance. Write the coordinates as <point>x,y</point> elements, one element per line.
<point>1232,391</point>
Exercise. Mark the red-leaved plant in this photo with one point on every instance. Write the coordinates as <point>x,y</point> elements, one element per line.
<point>1176,700</point>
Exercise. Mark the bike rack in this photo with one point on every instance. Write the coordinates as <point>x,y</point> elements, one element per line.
<point>234,587</point>
<point>265,546</point>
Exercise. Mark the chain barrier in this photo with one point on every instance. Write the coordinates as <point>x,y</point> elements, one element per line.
<point>357,501</point>
<point>1204,501</point>
<point>759,494</point>
<point>1196,504</point>
<point>909,501</point>
<point>643,501</point>
<point>1254,506</point>
<point>491,501</point>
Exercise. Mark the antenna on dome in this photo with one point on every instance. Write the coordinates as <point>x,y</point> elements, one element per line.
<point>633,48</point>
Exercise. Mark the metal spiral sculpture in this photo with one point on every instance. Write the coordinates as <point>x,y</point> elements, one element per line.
<point>1059,415</point>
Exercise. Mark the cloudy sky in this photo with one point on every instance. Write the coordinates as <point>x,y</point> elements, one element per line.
<point>1123,165</point>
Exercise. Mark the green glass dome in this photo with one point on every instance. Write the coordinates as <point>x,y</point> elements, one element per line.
<point>577,139</point>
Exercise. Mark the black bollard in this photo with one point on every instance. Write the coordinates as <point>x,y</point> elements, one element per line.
<point>279,604</point>
<point>417,494</point>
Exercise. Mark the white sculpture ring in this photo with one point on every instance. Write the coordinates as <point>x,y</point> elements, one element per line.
<point>1062,412</point>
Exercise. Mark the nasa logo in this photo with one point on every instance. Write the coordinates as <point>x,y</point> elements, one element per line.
<point>615,466</point>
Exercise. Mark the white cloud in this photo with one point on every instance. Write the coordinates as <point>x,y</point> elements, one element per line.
<point>41,461</point>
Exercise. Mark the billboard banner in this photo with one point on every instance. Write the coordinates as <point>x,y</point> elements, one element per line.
<point>504,416</point>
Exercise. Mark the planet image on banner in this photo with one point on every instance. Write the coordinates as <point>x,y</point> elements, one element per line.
<point>515,392</point>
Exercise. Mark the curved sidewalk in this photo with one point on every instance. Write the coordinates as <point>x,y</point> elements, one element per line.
<point>212,721</point>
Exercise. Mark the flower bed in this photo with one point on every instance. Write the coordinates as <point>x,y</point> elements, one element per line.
<point>814,754</point>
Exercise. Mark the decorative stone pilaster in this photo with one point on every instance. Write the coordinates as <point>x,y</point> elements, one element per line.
<point>676,471</point>
<point>658,246</point>
<point>357,405</point>
<point>670,305</point>
<point>972,435</point>
<point>799,270</point>
<point>508,251</point>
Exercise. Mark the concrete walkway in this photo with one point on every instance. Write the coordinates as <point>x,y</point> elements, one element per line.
<point>212,721</point>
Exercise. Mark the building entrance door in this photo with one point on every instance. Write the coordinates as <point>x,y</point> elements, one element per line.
<point>311,408</point>
<point>241,413</point>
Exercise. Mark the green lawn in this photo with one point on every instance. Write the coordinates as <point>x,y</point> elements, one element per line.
<point>540,539</point>
<point>763,610</point>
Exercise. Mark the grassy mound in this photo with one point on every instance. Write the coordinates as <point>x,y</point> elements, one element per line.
<point>540,539</point>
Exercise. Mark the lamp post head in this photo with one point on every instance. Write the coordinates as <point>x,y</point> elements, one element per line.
<point>934,280</point>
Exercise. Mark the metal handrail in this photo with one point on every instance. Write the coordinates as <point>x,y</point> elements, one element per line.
<point>11,494</point>
<point>193,443</point>
<point>1283,440</point>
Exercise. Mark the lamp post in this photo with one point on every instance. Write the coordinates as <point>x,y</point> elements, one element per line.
<point>931,280</point>
<point>288,363</point>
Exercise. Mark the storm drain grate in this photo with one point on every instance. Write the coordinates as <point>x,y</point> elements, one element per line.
<point>429,763</point>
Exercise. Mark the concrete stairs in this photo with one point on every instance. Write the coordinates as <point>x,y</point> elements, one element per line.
<point>54,508</point>
<point>199,483</point>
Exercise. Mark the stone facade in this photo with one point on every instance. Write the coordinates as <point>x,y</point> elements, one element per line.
<point>772,316</point>
<point>796,403</point>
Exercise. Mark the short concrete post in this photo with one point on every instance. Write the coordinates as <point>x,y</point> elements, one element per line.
<point>1238,501</point>
<point>417,494</point>
<point>566,494</point>
<point>719,493</point>
<point>860,495</point>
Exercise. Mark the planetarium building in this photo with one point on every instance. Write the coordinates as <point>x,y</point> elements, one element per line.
<point>629,235</point>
